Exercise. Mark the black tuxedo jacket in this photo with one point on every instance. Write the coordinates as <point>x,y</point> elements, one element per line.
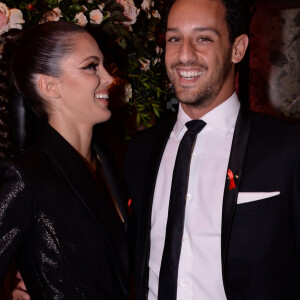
<point>67,239</point>
<point>260,240</point>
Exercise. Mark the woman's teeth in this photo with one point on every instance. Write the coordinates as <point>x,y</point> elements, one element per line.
<point>102,96</point>
<point>189,74</point>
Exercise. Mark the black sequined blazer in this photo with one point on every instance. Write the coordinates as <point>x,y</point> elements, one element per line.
<point>68,241</point>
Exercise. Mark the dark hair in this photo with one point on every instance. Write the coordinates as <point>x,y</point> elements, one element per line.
<point>5,88</point>
<point>237,16</point>
<point>38,50</point>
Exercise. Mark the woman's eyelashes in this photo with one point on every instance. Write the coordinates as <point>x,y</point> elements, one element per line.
<point>91,66</point>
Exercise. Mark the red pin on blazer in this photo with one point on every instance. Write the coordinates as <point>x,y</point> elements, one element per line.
<point>231,178</point>
<point>129,206</point>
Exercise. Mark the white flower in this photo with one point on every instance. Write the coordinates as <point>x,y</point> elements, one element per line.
<point>146,5</point>
<point>145,64</point>
<point>156,60</point>
<point>15,18</point>
<point>128,92</point>
<point>130,11</point>
<point>90,1</point>
<point>96,16</point>
<point>101,6</point>
<point>158,50</point>
<point>155,14</point>
<point>81,19</point>
<point>57,11</point>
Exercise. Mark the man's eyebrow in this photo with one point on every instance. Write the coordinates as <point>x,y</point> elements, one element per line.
<point>197,29</point>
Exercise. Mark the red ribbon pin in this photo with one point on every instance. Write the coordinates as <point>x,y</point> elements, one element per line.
<point>129,206</point>
<point>232,183</point>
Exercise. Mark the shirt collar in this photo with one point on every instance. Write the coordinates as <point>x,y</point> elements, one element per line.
<point>222,118</point>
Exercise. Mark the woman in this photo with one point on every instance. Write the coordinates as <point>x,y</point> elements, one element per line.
<point>62,216</point>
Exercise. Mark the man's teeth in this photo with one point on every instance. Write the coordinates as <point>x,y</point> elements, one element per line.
<point>189,74</point>
<point>102,96</point>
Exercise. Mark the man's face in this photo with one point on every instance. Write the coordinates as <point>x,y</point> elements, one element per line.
<point>198,53</point>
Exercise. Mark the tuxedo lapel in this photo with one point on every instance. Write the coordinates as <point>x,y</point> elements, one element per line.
<point>236,162</point>
<point>78,176</point>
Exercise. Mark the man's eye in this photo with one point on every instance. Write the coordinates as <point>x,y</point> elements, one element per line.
<point>91,66</point>
<point>204,39</point>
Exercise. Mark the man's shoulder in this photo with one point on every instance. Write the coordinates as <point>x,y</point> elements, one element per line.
<point>266,122</point>
<point>274,131</point>
<point>147,136</point>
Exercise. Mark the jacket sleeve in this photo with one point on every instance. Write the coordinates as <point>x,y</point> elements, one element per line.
<point>15,213</point>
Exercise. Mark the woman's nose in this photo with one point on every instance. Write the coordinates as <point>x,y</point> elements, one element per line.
<point>105,77</point>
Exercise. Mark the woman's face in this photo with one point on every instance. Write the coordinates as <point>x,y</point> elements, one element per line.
<point>84,84</point>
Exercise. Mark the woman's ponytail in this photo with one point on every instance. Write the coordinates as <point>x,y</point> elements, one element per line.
<point>8,42</point>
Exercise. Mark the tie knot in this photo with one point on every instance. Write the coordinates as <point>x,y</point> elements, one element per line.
<point>195,125</point>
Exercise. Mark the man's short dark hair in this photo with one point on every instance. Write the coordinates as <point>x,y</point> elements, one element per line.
<point>237,15</point>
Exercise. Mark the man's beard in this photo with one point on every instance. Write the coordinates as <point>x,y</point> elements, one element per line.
<point>210,88</point>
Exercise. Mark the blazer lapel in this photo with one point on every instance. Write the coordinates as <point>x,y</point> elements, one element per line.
<point>117,187</point>
<point>76,173</point>
<point>236,161</point>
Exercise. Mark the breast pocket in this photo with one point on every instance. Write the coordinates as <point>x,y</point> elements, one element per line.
<point>251,201</point>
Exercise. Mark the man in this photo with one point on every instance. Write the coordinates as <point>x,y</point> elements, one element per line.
<point>241,227</point>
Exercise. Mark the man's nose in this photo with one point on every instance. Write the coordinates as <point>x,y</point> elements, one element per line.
<point>187,52</point>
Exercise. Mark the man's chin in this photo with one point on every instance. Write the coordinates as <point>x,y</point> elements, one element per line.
<point>195,101</point>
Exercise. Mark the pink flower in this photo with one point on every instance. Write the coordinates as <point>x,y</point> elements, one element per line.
<point>52,15</point>
<point>130,11</point>
<point>3,22</point>
<point>10,18</point>
<point>145,64</point>
<point>81,19</point>
<point>155,14</point>
<point>96,16</point>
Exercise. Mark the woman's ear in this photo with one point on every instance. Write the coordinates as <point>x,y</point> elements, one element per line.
<point>239,48</point>
<point>49,86</point>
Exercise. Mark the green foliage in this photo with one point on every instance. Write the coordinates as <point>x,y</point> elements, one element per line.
<point>148,90</point>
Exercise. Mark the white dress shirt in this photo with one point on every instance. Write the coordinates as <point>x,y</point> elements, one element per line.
<point>200,270</point>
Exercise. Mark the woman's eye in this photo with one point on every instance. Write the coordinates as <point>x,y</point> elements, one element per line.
<point>91,66</point>
<point>173,39</point>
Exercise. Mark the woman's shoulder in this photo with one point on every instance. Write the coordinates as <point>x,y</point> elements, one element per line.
<point>14,185</point>
<point>24,164</point>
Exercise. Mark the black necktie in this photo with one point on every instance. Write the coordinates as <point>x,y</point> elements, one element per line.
<point>167,288</point>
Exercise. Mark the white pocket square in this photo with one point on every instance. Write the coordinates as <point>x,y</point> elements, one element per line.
<point>246,197</point>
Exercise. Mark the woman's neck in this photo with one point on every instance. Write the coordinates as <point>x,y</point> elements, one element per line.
<point>78,135</point>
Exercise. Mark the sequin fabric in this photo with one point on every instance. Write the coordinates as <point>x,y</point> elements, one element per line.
<point>61,251</point>
<point>11,184</point>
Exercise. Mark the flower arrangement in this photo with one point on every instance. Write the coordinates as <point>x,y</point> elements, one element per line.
<point>130,33</point>
<point>10,18</point>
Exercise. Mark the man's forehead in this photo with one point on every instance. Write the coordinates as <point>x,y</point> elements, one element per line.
<point>196,10</point>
